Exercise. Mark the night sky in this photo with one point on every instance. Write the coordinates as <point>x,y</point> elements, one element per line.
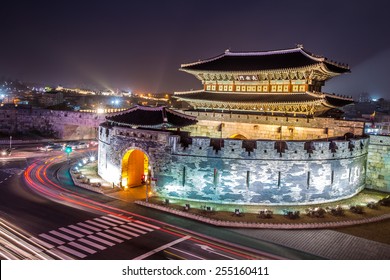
<point>139,45</point>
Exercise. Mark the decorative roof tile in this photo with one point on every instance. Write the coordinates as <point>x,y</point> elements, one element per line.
<point>266,60</point>
<point>153,117</point>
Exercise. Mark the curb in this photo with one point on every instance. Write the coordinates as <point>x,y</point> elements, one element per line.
<point>221,223</point>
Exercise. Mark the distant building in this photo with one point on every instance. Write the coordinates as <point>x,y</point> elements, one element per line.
<point>52,98</point>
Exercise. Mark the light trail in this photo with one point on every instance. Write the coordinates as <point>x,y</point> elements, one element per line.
<point>47,187</point>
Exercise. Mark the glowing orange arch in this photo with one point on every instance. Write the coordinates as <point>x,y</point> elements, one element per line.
<point>238,136</point>
<point>135,164</point>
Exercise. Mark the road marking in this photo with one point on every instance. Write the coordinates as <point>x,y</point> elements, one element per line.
<point>82,247</point>
<point>134,229</point>
<point>89,227</point>
<point>119,218</point>
<point>187,253</point>
<point>80,229</point>
<point>52,239</point>
<point>93,244</point>
<point>97,224</point>
<point>71,232</point>
<point>146,224</point>
<point>43,243</point>
<point>118,234</point>
<point>139,226</point>
<point>110,237</point>
<point>63,236</point>
<point>71,251</point>
<point>59,254</point>
<point>101,240</point>
<point>126,231</point>
<point>113,220</point>
<point>105,222</point>
<point>162,248</point>
<point>6,179</point>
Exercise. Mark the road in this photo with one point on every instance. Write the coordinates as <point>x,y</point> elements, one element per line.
<point>58,221</point>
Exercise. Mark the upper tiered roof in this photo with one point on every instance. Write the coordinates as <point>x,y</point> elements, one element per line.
<point>151,117</point>
<point>264,61</point>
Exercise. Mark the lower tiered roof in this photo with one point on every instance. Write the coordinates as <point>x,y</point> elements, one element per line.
<point>307,103</point>
<point>151,117</point>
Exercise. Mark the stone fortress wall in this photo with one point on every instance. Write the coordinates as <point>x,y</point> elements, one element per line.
<point>378,163</point>
<point>224,125</point>
<point>240,171</point>
<point>61,124</point>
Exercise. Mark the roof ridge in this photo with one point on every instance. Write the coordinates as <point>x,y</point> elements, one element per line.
<point>246,53</point>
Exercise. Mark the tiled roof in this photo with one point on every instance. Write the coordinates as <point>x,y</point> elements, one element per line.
<point>249,97</point>
<point>268,60</point>
<point>155,117</point>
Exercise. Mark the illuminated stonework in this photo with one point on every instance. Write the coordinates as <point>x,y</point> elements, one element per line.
<point>217,155</point>
<point>239,171</point>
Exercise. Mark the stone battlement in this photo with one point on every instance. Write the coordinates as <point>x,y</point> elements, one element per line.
<point>263,149</point>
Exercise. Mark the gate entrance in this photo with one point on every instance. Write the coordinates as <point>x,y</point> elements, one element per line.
<point>135,164</point>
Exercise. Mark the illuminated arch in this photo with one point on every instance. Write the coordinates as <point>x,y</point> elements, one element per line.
<point>238,136</point>
<point>135,168</point>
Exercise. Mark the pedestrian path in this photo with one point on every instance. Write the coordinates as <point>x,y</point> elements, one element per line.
<point>328,244</point>
<point>91,236</point>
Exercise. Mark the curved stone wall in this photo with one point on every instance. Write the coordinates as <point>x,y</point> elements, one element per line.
<point>295,174</point>
<point>240,171</point>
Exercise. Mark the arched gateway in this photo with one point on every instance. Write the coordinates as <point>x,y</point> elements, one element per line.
<point>135,165</point>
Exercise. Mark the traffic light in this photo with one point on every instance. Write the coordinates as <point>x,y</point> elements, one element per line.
<point>68,149</point>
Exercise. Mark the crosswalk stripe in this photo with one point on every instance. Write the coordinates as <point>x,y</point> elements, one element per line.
<point>105,222</point>
<point>93,244</point>
<point>43,243</point>
<point>119,218</point>
<point>89,227</point>
<point>97,224</point>
<point>63,236</point>
<point>139,226</point>
<point>134,229</point>
<point>52,239</point>
<point>110,237</point>
<point>146,224</point>
<point>82,247</point>
<point>126,231</point>
<point>60,254</point>
<point>101,240</point>
<point>113,220</point>
<point>81,229</point>
<point>118,234</point>
<point>71,251</point>
<point>71,232</point>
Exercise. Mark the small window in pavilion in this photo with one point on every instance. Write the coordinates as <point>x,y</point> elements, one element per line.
<point>208,87</point>
<point>295,88</point>
<point>243,88</point>
<point>220,88</point>
<point>230,88</point>
<point>280,88</point>
<point>265,88</point>
<point>213,87</point>
<point>258,88</point>
<point>273,88</point>
<point>302,88</point>
<point>238,88</point>
<point>225,88</point>
<point>285,88</point>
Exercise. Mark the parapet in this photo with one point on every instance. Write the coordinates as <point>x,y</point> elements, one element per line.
<point>268,149</point>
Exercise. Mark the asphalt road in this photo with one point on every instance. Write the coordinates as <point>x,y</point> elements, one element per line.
<point>74,223</point>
